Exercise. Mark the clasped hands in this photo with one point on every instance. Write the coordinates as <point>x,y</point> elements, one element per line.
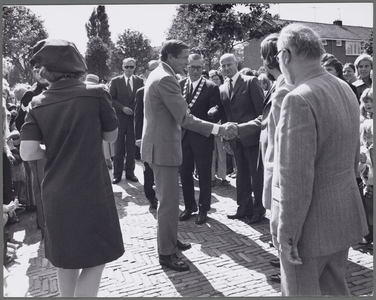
<point>229,130</point>
<point>127,111</point>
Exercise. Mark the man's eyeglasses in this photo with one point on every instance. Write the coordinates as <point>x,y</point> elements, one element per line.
<point>193,68</point>
<point>128,67</point>
<point>276,56</point>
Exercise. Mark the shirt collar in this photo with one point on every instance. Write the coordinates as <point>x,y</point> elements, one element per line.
<point>195,83</point>
<point>234,78</point>
<point>172,71</point>
<point>130,78</point>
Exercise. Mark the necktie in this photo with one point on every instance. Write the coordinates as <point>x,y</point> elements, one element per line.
<point>191,93</point>
<point>231,88</point>
<point>129,89</point>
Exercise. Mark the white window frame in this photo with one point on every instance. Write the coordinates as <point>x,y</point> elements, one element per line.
<point>353,47</point>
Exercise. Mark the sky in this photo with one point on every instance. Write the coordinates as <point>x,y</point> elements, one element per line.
<point>153,20</point>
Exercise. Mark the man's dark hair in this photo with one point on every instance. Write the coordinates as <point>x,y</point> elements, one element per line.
<point>173,47</point>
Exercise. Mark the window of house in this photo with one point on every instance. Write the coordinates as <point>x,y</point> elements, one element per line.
<point>338,43</point>
<point>353,48</point>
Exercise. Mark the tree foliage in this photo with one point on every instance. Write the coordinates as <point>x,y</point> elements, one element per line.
<point>97,57</point>
<point>100,45</point>
<point>98,26</point>
<point>22,29</point>
<point>368,46</point>
<point>214,29</point>
<point>133,44</point>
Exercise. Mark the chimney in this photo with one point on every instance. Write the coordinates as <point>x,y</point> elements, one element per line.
<point>337,22</point>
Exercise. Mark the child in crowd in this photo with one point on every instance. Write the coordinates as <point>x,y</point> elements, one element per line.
<point>366,105</point>
<point>366,173</point>
<point>349,72</point>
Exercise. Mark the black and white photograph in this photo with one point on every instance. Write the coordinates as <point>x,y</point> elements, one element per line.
<point>187,150</point>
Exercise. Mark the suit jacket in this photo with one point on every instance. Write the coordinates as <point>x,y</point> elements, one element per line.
<point>208,98</point>
<point>264,119</point>
<point>267,139</point>
<point>165,112</point>
<point>139,113</point>
<point>244,107</point>
<point>120,97</point>
<point>316,201</point>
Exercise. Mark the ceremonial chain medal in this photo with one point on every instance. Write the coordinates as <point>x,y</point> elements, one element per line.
<point>202,82</point>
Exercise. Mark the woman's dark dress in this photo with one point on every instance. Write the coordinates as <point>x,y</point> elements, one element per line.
<point>82,228</point>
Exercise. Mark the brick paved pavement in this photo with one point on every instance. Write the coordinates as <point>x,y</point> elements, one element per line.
<point>228,258</point>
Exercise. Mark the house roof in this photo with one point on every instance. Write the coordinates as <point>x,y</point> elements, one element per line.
<point>334,32</point>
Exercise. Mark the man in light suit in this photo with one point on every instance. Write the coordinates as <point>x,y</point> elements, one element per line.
<point>269,120</point>
<point>201,95</point>
<point>165,112</point>
<point>242,98</point>
<point>316,211</point>
<point>123,90</point>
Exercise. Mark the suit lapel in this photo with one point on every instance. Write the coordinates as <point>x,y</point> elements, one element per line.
<point>269,93</point>
<point>237,85</point>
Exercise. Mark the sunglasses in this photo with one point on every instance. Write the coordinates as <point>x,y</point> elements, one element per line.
<point>276,56</point>
<point>128,67</point>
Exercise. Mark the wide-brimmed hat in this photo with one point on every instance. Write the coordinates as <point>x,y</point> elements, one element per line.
<point>58,56</point>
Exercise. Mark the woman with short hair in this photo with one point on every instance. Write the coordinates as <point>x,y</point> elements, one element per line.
<point>71,118</point>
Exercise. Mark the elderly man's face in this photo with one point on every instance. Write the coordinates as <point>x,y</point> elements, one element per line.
<point>229,66</point>
<point>281,56</point>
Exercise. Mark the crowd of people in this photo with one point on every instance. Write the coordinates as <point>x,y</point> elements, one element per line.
<point>274,130</point>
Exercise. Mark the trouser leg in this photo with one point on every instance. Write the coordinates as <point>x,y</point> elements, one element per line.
<point>167,190</point>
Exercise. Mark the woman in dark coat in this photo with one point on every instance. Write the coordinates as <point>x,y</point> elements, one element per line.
<point>71,119</point>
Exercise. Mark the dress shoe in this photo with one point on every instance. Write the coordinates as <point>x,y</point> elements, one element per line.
<point>153,203</point>
<point>201,218</point>
<point>236,216</point>
<point>255,219</point>
<point>276,278</point>
<point>116,180</point>
<point>186,214</point>
<point>370,246</point>
<point>173,262</point>
<point>275,262</point>
<point>365,241</point>
<point>132,178</point>
<point>183,246</point>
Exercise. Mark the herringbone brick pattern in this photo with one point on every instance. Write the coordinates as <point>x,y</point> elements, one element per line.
<point>228,258</point>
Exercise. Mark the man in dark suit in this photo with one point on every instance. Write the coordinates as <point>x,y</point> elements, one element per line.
<point>138,125</point>
<point>123,90</point>
<point>242,98</point>
<point>201,95</point>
